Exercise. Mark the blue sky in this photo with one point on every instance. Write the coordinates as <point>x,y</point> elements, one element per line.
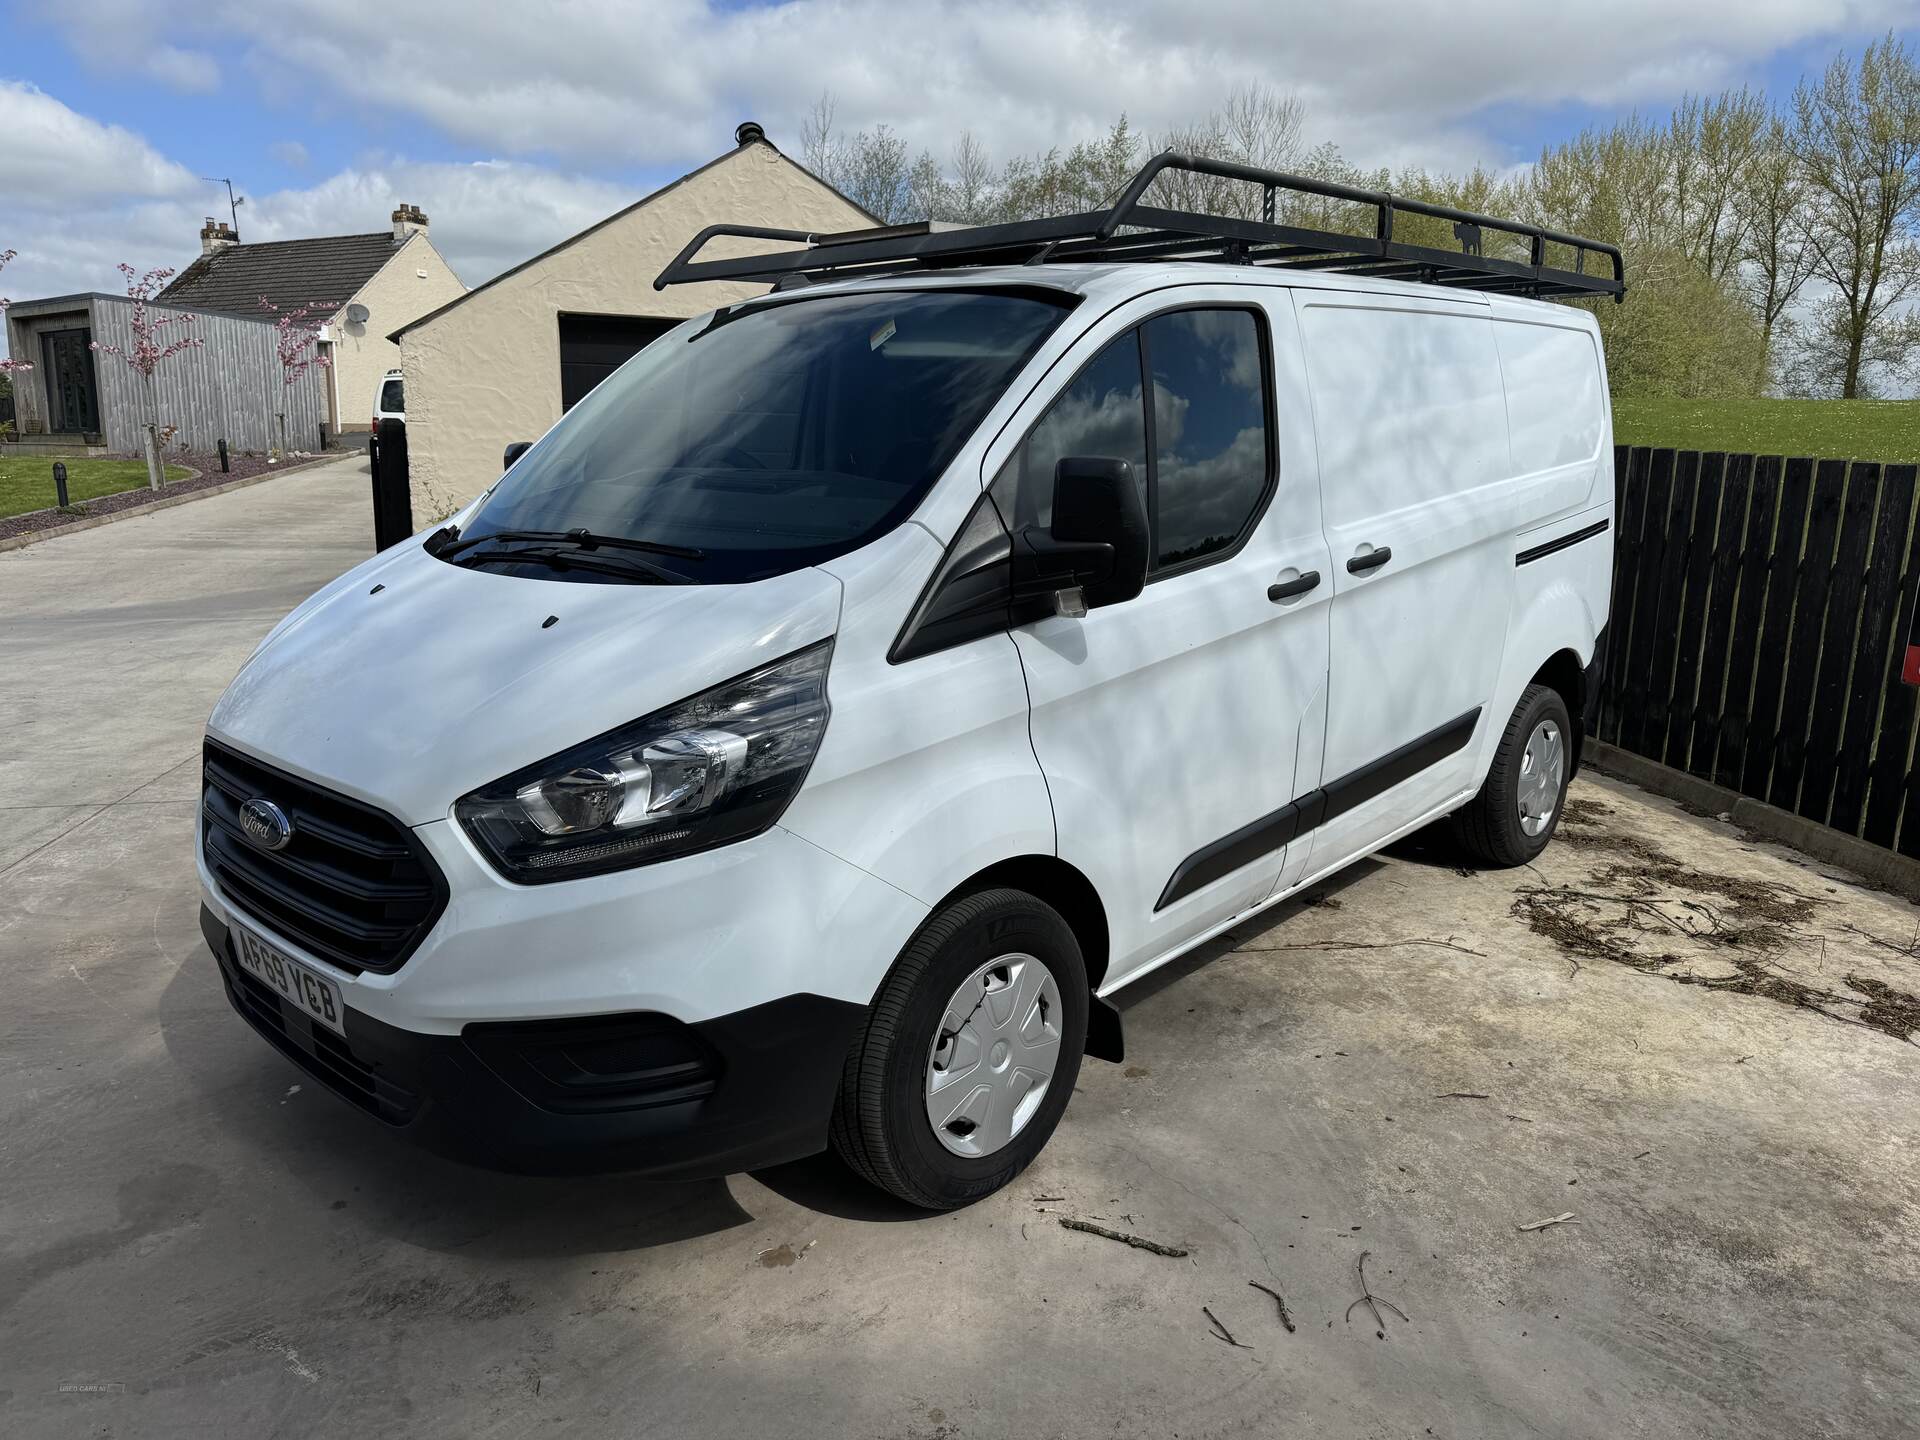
<point>517,125</point>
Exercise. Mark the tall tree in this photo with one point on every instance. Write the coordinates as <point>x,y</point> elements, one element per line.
<point>1713,144</point>
<point>1776,259</point>
<point>1856,134</point>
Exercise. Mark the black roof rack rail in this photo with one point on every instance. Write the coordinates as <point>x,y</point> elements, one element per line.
<point>1132,230</point>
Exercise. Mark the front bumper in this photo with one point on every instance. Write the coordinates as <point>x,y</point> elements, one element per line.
<point>638,1092</point>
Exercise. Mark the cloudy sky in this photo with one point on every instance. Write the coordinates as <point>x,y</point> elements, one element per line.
<point>515,125</point>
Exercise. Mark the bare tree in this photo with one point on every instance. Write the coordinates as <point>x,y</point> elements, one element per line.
<point>1857,137</point>
<point>1257,126</point>
<point>870,168</point>
<point>1776,258</point>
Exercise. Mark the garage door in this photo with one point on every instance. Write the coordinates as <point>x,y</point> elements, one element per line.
<point>592,347</point>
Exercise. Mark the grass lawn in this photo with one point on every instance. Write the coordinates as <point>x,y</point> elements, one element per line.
<point>1884,430</point>
<point>27,483</point>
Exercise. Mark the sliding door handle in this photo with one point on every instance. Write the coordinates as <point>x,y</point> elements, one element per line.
<point>1294,588</point>
<point>1372,560</point>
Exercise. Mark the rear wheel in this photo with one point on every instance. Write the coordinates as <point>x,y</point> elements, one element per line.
<point>1518,808</point>
<point>969,1055</point>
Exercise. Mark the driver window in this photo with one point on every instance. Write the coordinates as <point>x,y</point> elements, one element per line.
<point>1101,413</point>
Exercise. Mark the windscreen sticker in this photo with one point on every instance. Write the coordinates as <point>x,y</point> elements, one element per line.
<point>881,336</point>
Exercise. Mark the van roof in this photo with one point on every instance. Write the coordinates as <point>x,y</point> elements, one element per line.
<point>1135,233</point>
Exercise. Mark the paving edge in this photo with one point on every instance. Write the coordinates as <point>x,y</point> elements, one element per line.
<point>165,502</point>
<point>1871,862</point>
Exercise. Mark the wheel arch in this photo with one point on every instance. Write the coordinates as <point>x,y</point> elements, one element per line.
<point>1564,674</point>
<point>1067,889</point>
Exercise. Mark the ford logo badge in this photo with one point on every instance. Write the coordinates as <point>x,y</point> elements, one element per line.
<point>266,824</point>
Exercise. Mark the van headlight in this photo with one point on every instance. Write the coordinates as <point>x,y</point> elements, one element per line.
<point>708,771</point>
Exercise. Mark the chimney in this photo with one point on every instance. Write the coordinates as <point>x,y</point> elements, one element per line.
<point>215,237</point>
<point>408,220</point>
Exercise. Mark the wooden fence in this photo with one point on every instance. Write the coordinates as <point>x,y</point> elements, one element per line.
<point>1760,612</point>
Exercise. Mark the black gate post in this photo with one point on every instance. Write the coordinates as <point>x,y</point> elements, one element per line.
<point>392,486</point>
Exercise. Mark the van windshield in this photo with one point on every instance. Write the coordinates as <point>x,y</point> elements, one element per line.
<point>767,438</point>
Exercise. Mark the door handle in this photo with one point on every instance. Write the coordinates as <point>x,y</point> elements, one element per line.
<point>1289,589</point>
<point>1372,560</point>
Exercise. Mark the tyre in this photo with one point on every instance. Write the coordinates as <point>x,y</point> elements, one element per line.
<point>969,1054</point>
<point>1514,816</point>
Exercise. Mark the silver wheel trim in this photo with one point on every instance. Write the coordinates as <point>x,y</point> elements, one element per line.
<point>993,1055</point>
<point>1543,768</point>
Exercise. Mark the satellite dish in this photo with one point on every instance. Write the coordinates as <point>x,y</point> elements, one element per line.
<point>357,314</point>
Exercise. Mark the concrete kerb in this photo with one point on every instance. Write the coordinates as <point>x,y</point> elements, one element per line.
<point>1871,862</point>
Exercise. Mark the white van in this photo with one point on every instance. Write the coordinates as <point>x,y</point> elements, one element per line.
<point>811,733</point>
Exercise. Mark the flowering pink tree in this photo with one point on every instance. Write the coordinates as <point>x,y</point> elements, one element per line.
<point>151,348</point>
<point>8,366</point>
<point>297,345</point>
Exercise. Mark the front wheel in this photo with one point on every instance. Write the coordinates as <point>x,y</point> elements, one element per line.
<point>1510,821</point>
<point>969,1055</point>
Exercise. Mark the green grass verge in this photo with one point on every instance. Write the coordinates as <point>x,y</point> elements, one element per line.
<point>1883,430</point>
<point>27,483</point>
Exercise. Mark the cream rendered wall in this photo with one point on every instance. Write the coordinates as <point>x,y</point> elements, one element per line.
<point>396,295</point>
<point>488,371</point>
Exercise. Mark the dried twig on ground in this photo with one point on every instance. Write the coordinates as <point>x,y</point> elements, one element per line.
<point>1286,1317</point>
<point>1462,1095</point>
<point>1090,1228</point>
<point>1221,1332</point>
<point>1368,945</point>
<point>1373,1302</point>
<point>1566,1219</point>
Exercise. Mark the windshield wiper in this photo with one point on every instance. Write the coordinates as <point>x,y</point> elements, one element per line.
<point>626,566</point>
<point>580,539</point>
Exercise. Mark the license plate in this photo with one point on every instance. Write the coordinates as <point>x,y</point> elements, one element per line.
<point>308,991</point>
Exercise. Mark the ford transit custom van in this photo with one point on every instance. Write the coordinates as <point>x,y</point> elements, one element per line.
<point>806,738</point>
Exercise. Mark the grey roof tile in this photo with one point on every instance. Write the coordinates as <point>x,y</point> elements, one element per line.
<point>327,270</point>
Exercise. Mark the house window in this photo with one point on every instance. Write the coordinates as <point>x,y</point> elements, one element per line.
<point>592,347</point>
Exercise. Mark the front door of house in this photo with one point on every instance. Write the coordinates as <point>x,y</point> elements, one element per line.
<point>73,406</point>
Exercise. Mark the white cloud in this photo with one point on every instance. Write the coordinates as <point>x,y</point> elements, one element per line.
<point>1394,81</point>
<point>290,153</point>
<point>57,157</point>
<point>485,216</point>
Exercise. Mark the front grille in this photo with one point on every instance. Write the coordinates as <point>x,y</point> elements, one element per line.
<point>353,885</point>
<point>319,1051</point>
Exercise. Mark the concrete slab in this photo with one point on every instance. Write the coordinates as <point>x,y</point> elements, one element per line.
<point>1664,1020</point>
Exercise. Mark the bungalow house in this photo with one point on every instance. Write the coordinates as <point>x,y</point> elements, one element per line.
<point>232,386</point>
<point>228,388</point>
<point>503,361</point>
<point>369,284</point>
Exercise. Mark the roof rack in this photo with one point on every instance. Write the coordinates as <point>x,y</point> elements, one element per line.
<point>1154,233</point>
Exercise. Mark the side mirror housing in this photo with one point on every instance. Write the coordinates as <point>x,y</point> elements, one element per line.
<point>514,452</point>
<point>1097,543</point>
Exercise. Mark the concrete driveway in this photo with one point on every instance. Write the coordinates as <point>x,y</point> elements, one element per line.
<point>1689,1041</point>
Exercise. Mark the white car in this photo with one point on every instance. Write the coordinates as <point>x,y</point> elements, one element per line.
<point>807,737</point>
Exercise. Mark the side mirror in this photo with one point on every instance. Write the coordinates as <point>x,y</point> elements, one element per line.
<point>1097,543</point>
<point>514,452</point>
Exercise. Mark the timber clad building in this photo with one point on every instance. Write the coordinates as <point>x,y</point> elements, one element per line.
<point>232,386</point>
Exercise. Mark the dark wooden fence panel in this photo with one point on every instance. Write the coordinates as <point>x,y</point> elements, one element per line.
<point>1759,619</point>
